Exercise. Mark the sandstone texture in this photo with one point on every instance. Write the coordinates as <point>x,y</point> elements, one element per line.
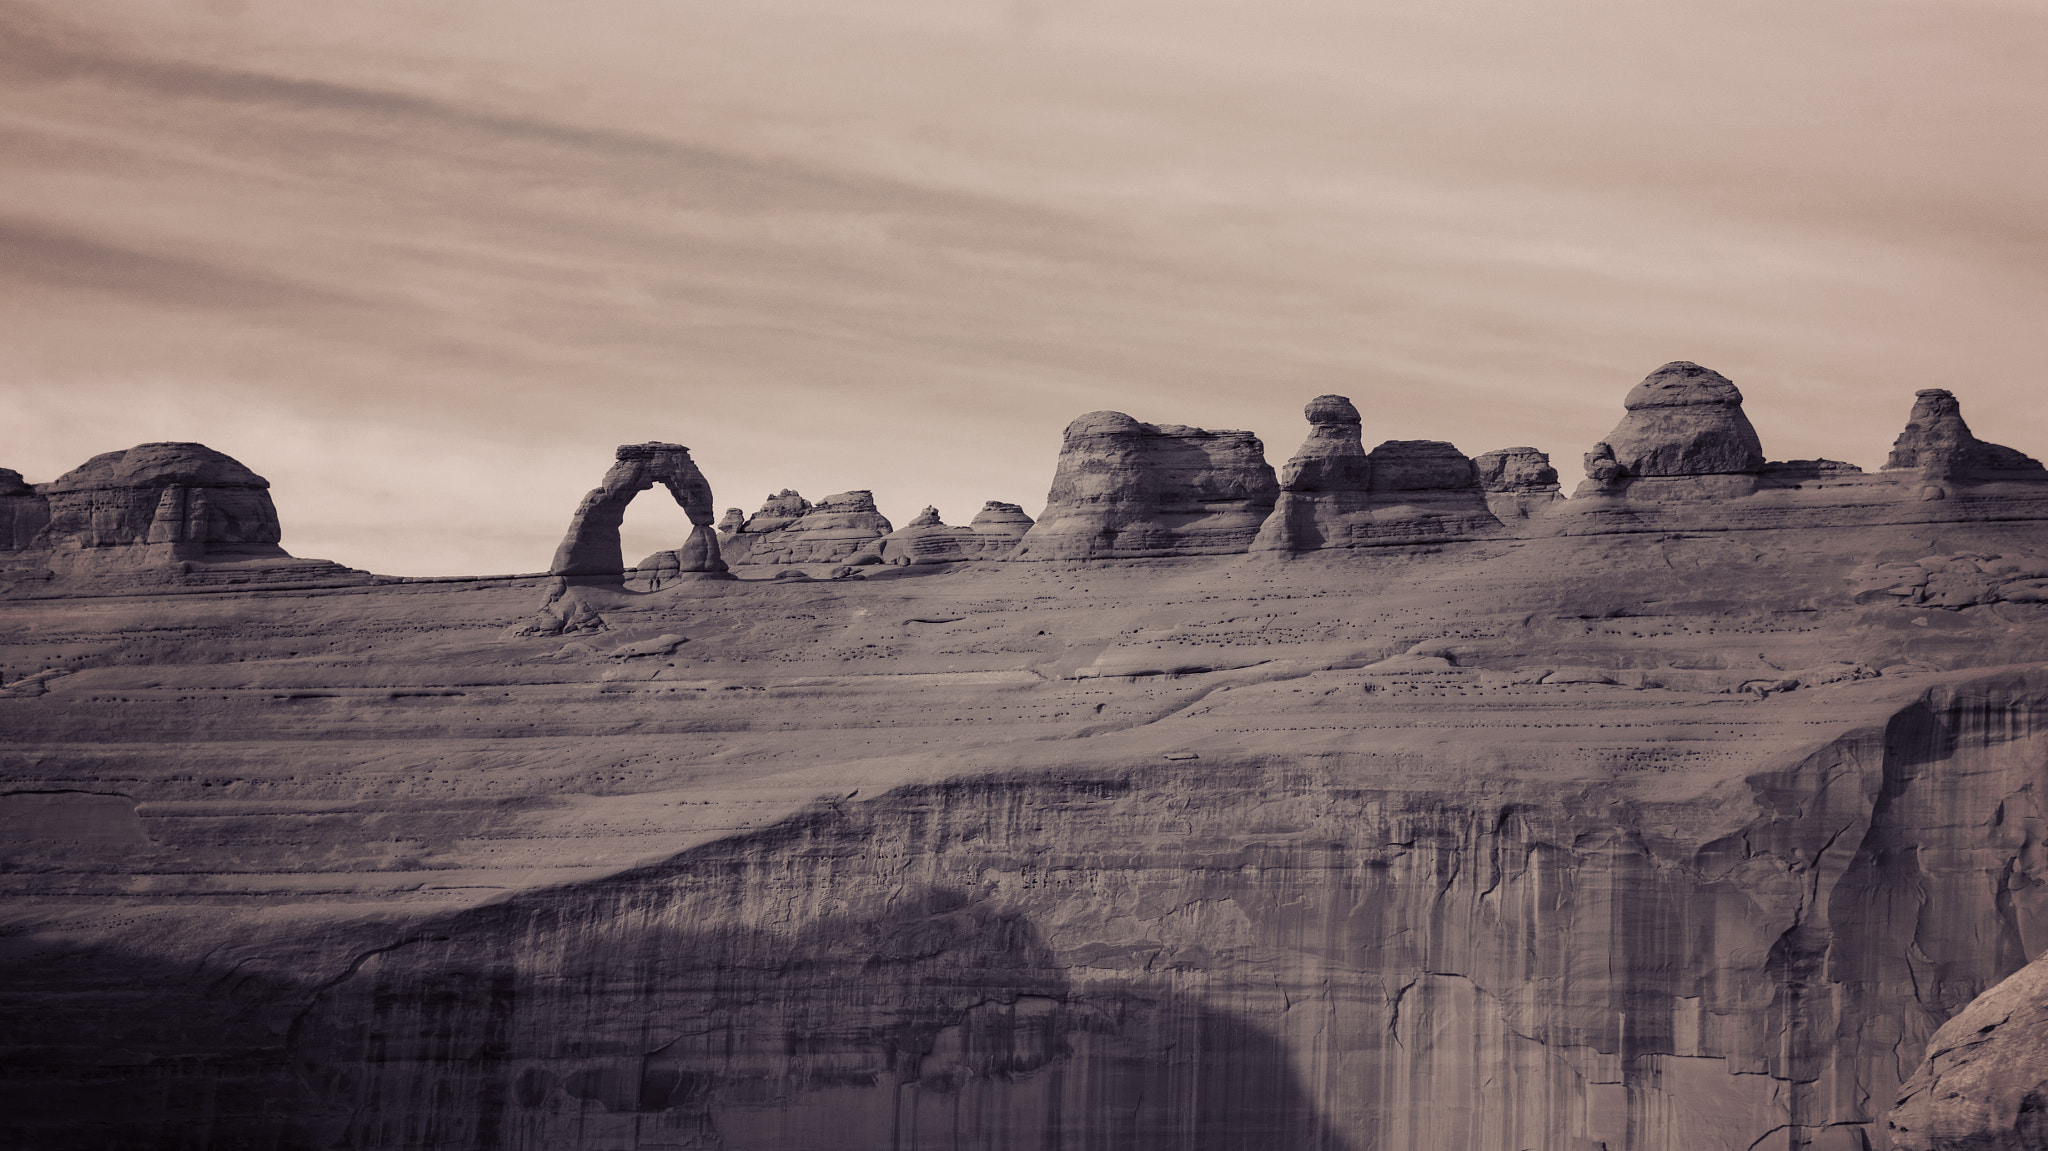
<point>1938,442</point>
<point>1125,489</point>
<point>1519,482</point>
<point>1335,494</point>
<point>1683,422</point>
<point>1579,834</point>
<point>992,534</point>
<point>1984,1085</point>
<point>589,552</point>
<point>154,514</point>
<point>790,530</point>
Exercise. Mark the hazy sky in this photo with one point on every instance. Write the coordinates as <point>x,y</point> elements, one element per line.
<point>423,263</point>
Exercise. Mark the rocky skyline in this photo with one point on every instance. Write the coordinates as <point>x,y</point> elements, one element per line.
<point>439,256</point>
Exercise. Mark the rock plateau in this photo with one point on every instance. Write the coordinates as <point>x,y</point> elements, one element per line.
<point>1681,816</point>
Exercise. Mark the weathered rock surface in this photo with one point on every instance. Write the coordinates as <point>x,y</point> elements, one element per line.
<point>590,553</point>
<point>1128,489</point>
<point>1683,422</point>
<point>162,513</point>
<point>993,534</point>
<point>1939,443</point>
<point>1562,841</point>
<point>1984,1085</point>
<point>1335,494</point>
<point>1519,482</point>
<point>835,528</point>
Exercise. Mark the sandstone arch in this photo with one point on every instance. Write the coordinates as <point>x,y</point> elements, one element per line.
<point>590,552</point>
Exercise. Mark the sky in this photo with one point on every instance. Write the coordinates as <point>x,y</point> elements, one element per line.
<point>424,263</point>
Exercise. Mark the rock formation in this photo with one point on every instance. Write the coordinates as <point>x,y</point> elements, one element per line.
<point>590,553</point>
<point>1519,482</point>
<point>833,530</point>
<point>1129,489</point>
<point>1334,494</point>
<point>993,534</point>
<point>1685,433</point>
<point>1940,444</point>
<point>154,513</point>
<point>1588,834</point>
<point>731,523</point>
<point>1984,1084</point>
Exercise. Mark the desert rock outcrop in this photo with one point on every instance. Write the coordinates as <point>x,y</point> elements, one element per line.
<point>1984,1084</point>
<point>590,552</point>
<point>1937,441</point>
<point>831,531</point>
<point>1519,482</point>
<point>1335,494</point>
<point>992,534</point>
<point>1128,489</point>
<point>1683,422</point>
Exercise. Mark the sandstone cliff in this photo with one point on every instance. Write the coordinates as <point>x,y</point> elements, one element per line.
<point>1579,834</point>
<point>1129,489</point>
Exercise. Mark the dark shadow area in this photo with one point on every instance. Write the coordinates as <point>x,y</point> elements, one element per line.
<point>780,990</point>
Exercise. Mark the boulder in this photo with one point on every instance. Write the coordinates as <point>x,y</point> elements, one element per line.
<point>1335,494</point>
<point>1939,443</point>
<point>590,553</point>
<point>1984,1083</point>
<point>1127,489</point>
<point>835,528</point>
<point>1519,482</point>
<point>1683,423</point>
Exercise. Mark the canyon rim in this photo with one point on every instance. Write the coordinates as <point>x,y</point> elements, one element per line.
<point>1389,800</point>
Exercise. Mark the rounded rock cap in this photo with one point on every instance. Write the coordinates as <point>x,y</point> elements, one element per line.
<point>159,465</point>
<point>1332,410</point>
<point>1102,423</point>
<point>1683,384</point>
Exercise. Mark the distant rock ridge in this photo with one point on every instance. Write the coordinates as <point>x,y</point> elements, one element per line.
<point>1335,494</point>
<point>992,534</point>
<point>590,551</point>
<point>1125,489</point>
<point>167,512</point>
<point>1941,445</point>
<point>791,530</point>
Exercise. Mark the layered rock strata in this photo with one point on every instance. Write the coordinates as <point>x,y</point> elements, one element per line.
<point>835,529</point>
<point>992,534</point>
<point>1984,1084</point>
<point>155,513</point>
<point>1683,436</point>
<point>590,552</point>
<point>1519,482</point>
<point>1938,443</point>
<point>1128,489</point>
<point>1335,494</point>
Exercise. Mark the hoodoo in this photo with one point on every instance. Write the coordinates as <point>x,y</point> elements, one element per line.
<point>590,553</point>
<point>1129,489</point>
<point>1939,443</point>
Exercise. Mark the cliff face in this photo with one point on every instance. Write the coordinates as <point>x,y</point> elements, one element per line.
<point>1588,832</point>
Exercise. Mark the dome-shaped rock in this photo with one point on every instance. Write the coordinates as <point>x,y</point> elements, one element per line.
<point>1685,420</point>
